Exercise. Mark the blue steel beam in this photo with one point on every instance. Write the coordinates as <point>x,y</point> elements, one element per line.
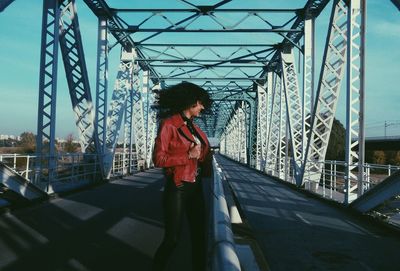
<point>102,10</point>
<point>377,195</point>
<point>4,4</point>
<point>46,126</point>
<point>220,10</point>
<point>136,29</point>
<point>396,3</point>
<point>77,76</point>
<point>121,93</point>
<point>102,85</point>
<point>312,9</point>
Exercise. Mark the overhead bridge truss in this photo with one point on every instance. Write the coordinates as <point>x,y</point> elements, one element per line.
<point>268,110</point>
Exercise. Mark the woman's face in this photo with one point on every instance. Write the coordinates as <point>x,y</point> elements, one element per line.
<point>195,109</point>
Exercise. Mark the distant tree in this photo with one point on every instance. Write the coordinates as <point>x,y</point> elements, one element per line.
<point>337,142</point>
<point>69,145</point>
<point>393,157</point>
<point>379,157</point>
<point>28,142</point>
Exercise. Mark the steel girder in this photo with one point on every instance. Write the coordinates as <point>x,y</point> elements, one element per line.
<point>355,136</point>
<point>244,131</point>
<point>327,93</point>
<point>234,96</point>
<point>294,111</point>
<point>308,80</point>
<point>149,116</point>
<point>138,123</point>
<point>145,96</point>
<point>122,90</point>
<point>247,103</point>
<point>311,10</point>
<point>380,194</point>
<point>274,126</point>
<point>151,124</point>
<point>236,135</point>
<point>76,74</point>
<point>149,53</point>
<point>224,96</point>
<point>128,151</point>
<point>231,139</point>
<point>276,145</point>
<point>4,4</point>
<point>270,100</point>
<point>262,126</point>
<point>102,10</point>
<point>45,139</point>
<point>396,3</point>
<point>283,136</point>
<point>102,85</point>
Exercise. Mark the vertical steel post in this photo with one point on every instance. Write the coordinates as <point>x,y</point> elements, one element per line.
<point>45,140</point>
<point>152,125</point>
<point>262,124</point>
<point>121,93</point>
<point>308,80</point>
<point>139,121</point>
<point>101,87</point>
<point>274,125</point>
<point>294,110</point>
<point>146,97</point>
<point>355,99</point>
<point>282,131</point>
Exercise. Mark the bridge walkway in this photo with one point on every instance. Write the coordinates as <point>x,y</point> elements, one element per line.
<point>118,226</point>
<point>297,231</point>
<point>114,226</point>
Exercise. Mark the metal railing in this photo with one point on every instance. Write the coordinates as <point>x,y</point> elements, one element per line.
<point>331,183</point>
<point>223,252</point>
<point>121,164</point>
<point>71,168</point>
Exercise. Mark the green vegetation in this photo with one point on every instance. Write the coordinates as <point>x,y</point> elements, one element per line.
<point>27,144</point>
<point>337,142</point>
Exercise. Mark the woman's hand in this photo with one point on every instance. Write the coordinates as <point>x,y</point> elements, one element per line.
<point>194,151</point>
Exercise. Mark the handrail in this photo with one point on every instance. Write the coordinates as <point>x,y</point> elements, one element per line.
<point>223,251</point>
<point>70,167</point>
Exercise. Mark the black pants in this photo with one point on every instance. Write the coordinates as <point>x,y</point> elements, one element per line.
<point>177,201</point>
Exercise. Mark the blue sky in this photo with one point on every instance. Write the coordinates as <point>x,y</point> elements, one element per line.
<point>20,34</point>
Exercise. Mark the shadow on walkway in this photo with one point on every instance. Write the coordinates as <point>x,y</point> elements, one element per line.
<point>115,226</point>
<point>299,232</point>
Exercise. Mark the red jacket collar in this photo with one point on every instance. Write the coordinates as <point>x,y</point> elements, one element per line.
<point>177,120</point>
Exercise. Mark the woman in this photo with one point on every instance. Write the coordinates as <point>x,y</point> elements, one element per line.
<point>180,148</point>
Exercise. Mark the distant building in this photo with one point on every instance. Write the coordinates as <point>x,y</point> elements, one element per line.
<point>13,137</point>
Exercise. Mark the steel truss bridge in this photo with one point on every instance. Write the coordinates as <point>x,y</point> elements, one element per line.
<point>270,112</point>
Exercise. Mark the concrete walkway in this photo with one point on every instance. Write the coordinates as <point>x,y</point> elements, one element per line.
<point>115,226</point>
<point>298,232</point>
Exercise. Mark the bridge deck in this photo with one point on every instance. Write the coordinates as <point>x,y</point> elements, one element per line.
<point>299,232</point>
<point>119,225</point>
<point>115,226</point>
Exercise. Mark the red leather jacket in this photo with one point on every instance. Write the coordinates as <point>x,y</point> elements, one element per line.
<point>171,149</point>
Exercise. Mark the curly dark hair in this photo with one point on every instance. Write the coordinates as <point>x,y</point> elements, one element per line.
<point>179,97</point>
